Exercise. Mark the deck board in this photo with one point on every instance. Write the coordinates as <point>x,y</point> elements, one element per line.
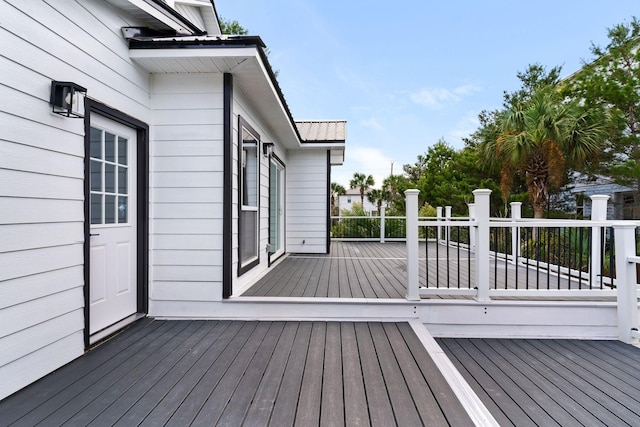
<point>355,398</point>
<point>380,411</point>
<point>570,381</point>
<point>379,270</point>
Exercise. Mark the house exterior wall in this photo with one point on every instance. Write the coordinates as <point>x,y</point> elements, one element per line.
<point>307,200</point>
<point>42,172</point>
<point>346,202</point>
<point>187,161</point>
<point>614,191</point>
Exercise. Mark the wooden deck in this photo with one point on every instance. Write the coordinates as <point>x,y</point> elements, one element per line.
<point>257,373</point>
<point>552,382</point>
<point>379,270</point>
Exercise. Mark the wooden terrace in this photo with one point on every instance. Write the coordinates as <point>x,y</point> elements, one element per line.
<point>331,373</point>
<point>379,270</point>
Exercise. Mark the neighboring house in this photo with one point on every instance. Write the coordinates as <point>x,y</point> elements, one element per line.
<point>351,196</point>
<point>181,184</point>
<point>622,203</point>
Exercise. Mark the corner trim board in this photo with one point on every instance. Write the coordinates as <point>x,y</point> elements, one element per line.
<point>227,213</point>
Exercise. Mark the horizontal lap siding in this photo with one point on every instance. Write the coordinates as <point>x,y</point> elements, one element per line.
<point>42,173</point>
<point>187,188</point>
<point>307,201</point>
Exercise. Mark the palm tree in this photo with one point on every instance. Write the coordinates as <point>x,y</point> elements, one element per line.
<point>540,139</point>
<point>364,182</point>
<point>337,190</point>
<point>377,196</point>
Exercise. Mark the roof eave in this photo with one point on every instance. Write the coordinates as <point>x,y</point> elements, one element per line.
<point>145,50</point>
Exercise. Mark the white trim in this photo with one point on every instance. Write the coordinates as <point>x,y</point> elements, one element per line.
<point>160,15</point>
<point>470,401</point>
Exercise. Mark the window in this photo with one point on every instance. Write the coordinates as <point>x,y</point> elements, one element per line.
<point>348,199</point>
<point>109,177</point>
<point>249,197</point>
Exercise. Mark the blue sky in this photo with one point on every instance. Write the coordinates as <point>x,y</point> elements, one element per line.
<point>406,73</point>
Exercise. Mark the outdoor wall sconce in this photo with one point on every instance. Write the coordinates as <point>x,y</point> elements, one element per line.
<point>67,99</point>
<point>267,148</point>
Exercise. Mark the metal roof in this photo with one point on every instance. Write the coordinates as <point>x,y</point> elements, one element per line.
<point>322,130</point>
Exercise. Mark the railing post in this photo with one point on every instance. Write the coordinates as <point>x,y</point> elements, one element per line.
<point>472,235</point>
<point>439,228</point>
<point>598,213</point>
<point>382,221</point>
<point>482,202</point>
<point>412,244</point>
<point>447,229</point>
<point>626,287</point>
<point>516,214</point>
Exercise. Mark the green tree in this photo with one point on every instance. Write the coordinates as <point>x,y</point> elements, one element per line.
<point>337,190</point>
<point>540,139</point>
<point>362,181</point>
<point>377,196</point>
<point>229,26</point>
<point>394,187</point>
<point>612,80</point>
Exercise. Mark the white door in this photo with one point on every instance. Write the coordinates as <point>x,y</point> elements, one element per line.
<point>113,269</point>
<point>276,211</point>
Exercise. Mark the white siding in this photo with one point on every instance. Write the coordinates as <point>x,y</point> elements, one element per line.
<point>42,171</point>
<point>307,200</point>
<point>187,189</point>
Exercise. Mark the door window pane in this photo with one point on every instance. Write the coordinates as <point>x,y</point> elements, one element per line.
<point>123,210</point>
<point>109,209</point>
<point>122,180</point>
<point>95,178</point>
<point>109,178</point>
<point>95,143</point>
<point>122,151</point>
<point>109,147</point>
<point>96,209</point>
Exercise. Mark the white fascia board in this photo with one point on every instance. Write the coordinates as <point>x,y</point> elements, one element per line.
<point>283,109</point>
<point>241,52</point>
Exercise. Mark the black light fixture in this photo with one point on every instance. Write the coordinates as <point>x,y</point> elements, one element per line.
<point>67,99</point>
<point>267,148</point>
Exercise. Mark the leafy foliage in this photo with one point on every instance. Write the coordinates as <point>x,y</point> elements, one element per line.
<point>229,26</point>
<point>447,177</point>
<point>363,182</point>
<point>337,190</point>
<point>541,137</point>
<point>612,80</point>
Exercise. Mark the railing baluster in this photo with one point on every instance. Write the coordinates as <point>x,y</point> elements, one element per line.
<point>458,251</point>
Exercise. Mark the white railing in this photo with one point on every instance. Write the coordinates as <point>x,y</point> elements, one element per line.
<point>480,227</point>
<point>368,228</point>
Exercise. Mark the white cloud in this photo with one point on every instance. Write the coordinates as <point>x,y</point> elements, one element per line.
<point>437,98</point>
<point>372,123</point>
<point>464,127</point>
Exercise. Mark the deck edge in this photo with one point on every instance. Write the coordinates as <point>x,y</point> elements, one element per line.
<point>476,410</point>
